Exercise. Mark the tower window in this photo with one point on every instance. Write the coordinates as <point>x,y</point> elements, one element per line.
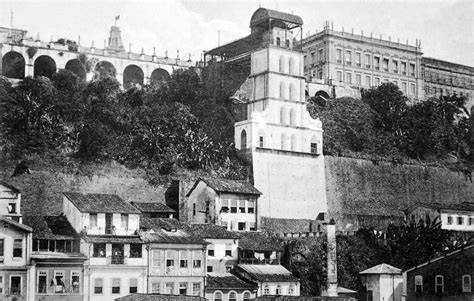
<point>243,140</point>
<point>260,141</point>
<point>314,148</point>
<point>278,41</point>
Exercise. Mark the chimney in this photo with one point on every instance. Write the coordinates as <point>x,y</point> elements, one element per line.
<point>332,259</point>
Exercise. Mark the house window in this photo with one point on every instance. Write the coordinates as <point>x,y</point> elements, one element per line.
<point>155,258</point>
<point>385,65</point>
<point>357,59</point>
<point>133,288</point>
<point>412,69</point>
<point>18,248</point>
<point>339,56</point>
<point>210,251</point>
<point>194,209</point>
<point>460,220</point>
<point>252,226</point>
<point>278,41</point>
<point>196,263</point>
<point>169,288</point>
<point>115,285</point>
<point>395,66</point>
<point>225,206</point>
<point>42,282</point>
<point>367,61</point>
<point>2,247</point>
<point>358,79</point>
<point>287,42</point>
<point>418,284</point>
<point>93,220</point>
<point>241,226</point>
<point>412,89</point>
<point>466,283</point>
<point>1,285</point>
<point>404,88</point>
<point>183,263</point>
<point>228,250</point>
<point>75,281</point>
<point>450,219</point>
<point>348,78</point>
<point>376,63</point>
<point>155,287</point>
<point>124,221</point>
<point>232,296</point>
<point>314,148</point>
<point>320,55</point>
<point>404,68</point>
<point>135,251</point>
<point>183,288</point>
<point>367,81</point>
<point>218,296</point>
<point>99,250</point>
<point>439,284</point>
<point>243,140</point>
<point>250,207</point>
<point>246,296</point>
<point>339,76</point>
<point>228,269</point>
<point>233,206</point>
<point>98,283</point>
<point>377,82</point>
<point>471,220</point>
<point>348,57</point>
<point>196,288</point>
<point>15,285</point>
<point>260,141</point>
<point>242,206</point>
<point>291,289</point>
<point>169,263</point>
<point>210,268</point>
<point>278,290</point>
<point>266,290</point>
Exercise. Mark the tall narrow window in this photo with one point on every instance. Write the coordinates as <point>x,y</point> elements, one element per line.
<point>183,261</point>
<point>320,55</point>
<point>232,296</point>
<point>15,285</point>
<point>266,290</point>
<point>133,288</point>
<point>242,206</point>
<point>233,206</point>
<point>466,283</point>
<point>1,285</point>
<point>404,68</point>
<point>194,209</point>
<point>225,206</point>
<point>260,141</point>
<point>278,290</point>
<point>278,41</point>
<point>284,141</point>
<point>404,87</point>
<point>2,247</point>
<point>358,79</point>
<point>385,65</point>
<point>246,296</point>
<point>93,220</point>
<point>367,81</point>
<point>367,61</point>
<point>183,288</point>
<point>412,69</point>
<point>339,56</point>
<point>348,57</point>
<point>218,296</point>
<point>156,258</point>
<point>349,78</point>
<point>98,285</point>
<point>18,248</point>
<point>250,206</point>
<point>243,139</point>
<point>115,285</point>
<point>357,59</point>
<point>439,284</point>
<point>124,221</point>
<point>418,284</point>
<point>339,76</point>
<point>75,281</point>
<point>42,282</point>
<point>376,63</point>
<point>294,146</point>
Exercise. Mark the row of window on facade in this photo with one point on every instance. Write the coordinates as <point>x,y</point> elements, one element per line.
<point>239,226</point>
<point>183,288</point>
<point>58,283</point>
<point>14,286</point>
<point>429,90</point>
<point>448,79</point>
<point>378,63</point>
<point>439,284</point>
<point>17,248</point>
<point>124,219</point>
<point>231,296</point>
<point>117,251</point>
<point>290,92</point>
<point>376,82</point>
<point>287,143</point>
<point>460,220</point>
<point>238,206</point>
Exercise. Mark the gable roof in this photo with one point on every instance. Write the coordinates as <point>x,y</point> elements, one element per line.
<point>267,272</point>
<point>11,187</point>
<point>212,231</point>
<point>382,269</point>
<point>258,241</point>
<point>152,207</point>
<point>286,225</point>
<point>462,249</point>
<point>227,281</point>
<point>100,203</point>
<point>229,186</point>
<point>51,227</point>
<point>167,230</point>
<point>261,15</point>
<point>16,224</point>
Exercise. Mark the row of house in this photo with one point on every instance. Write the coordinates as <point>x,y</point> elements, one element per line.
<point>103,248</point>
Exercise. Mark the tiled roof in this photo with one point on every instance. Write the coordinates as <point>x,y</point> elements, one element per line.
<point>112,239</point>
<point>229,186</point>
<point>167,230</point>
<point>100,203</point>
<point>258,241</point>
<point>159,297</point>
<point>267,272</point>
<point>212,231</point>
<point>465,206</point>
<point>16,224</point>
<point>285,225</point>
<point>263,14</point>
<point>11,187</point>
<point>227,281</point>
<point>382,269</point>
<point>50,227</point>
<point>152,207</point>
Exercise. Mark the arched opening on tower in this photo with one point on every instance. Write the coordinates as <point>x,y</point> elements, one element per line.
<point>76,67</point>
<point>243,139</point>
<point>293,92</point>
<point>283,91</point>
<point>44,66</point>
<point>159,75</point>
<point>293,70</point>
<point>13,65</point>
<point>132,76</point>
<point>284,141</point>
<point>283,115</point>
<point>293,116</point>
<point>294,143</point>
<point>283,65</point>
<point>104,69</point>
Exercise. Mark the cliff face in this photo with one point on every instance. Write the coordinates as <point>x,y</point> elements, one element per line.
<point>360,192</point>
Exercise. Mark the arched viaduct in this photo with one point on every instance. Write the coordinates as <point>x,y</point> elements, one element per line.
<point>44,59</point>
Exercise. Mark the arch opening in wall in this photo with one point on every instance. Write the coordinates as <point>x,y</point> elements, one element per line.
<point>243,139</point>
<point>44,66</point>
<point>159,76</point>
<point>104,69</point>
<point>322,95</point>
<point>132,76</point>
<point>284,141</point>
<point>293,67</point>
<point>13,65</point>
<point>218,296</point>
<point>246,296</point>
<point>294,143</point>
<point>76,67</point>
<point>232,296</point>
<point>293,92</point>
<point>293,116</point>
<point>283,91</point>
<point>283,65</point>
<point>283,115</point>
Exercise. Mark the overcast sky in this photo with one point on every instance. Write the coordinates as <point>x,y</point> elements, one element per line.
<point>446,28</point>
